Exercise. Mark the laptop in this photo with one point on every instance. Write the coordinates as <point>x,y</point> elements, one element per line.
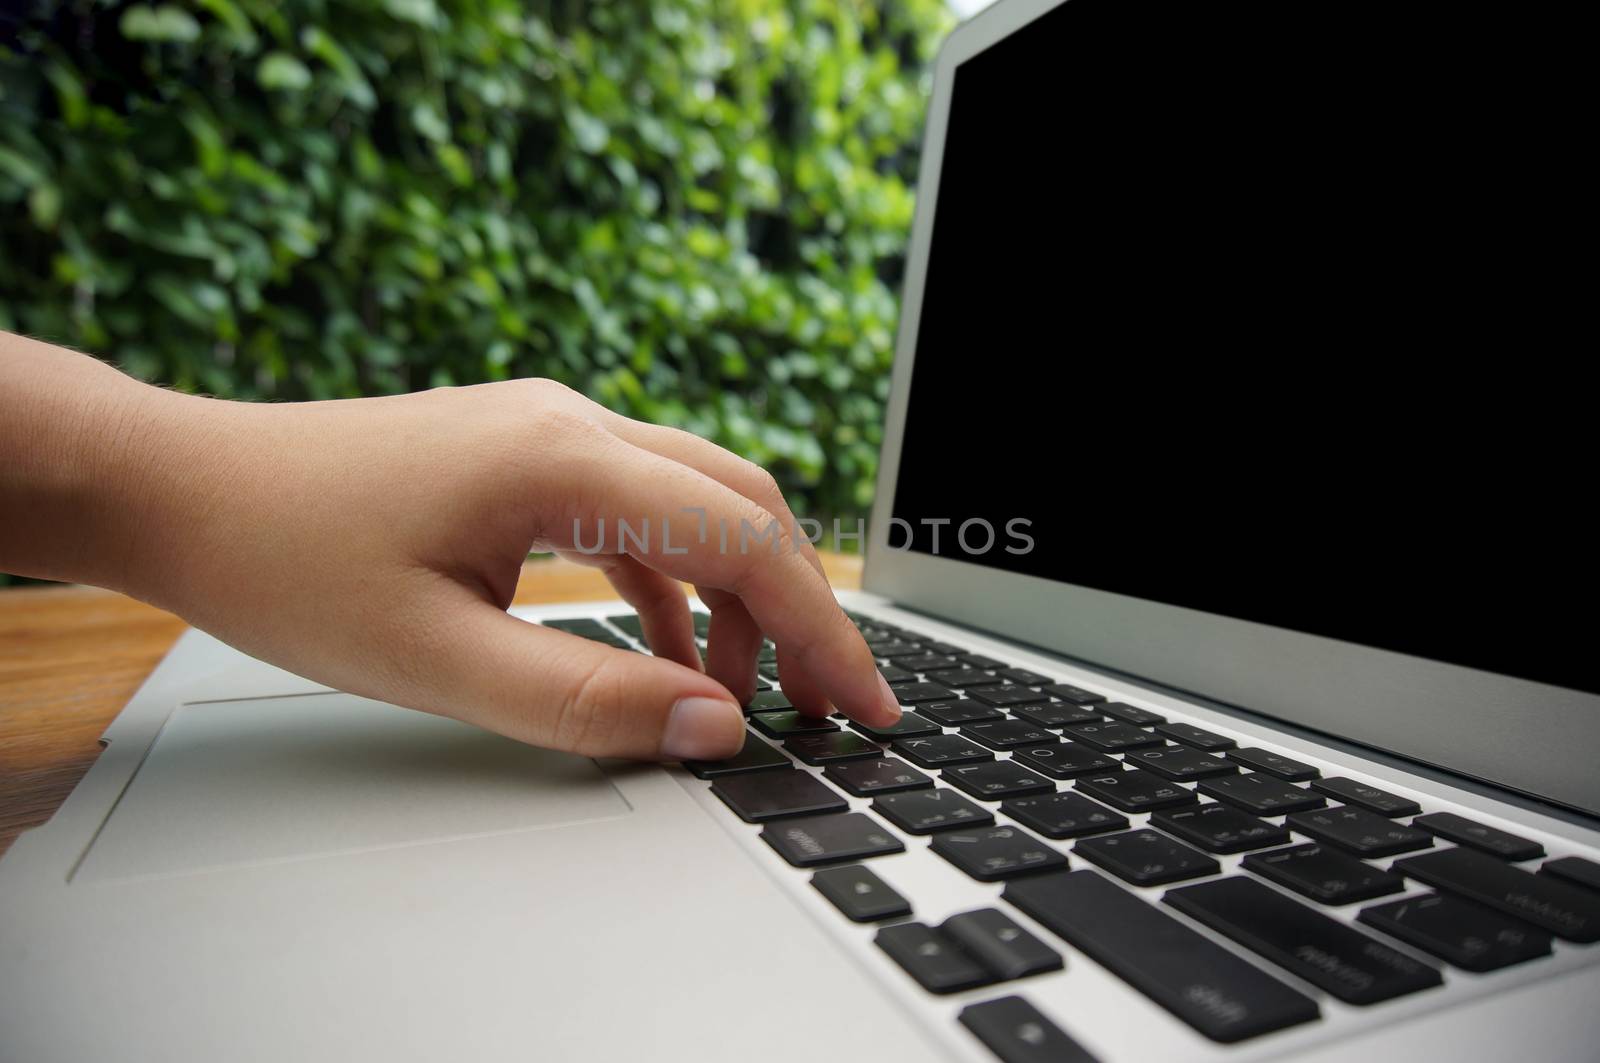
<point>1227,556</point>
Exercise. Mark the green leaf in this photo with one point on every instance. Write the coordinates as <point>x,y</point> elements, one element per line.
<point>422,12</point>
<point>44,203</point>
<point>162,24</point>
<point>20,168</point>
<point>588,132</point>
<point>281,71</point>
<point>426,120</point>
<point>237,22</point>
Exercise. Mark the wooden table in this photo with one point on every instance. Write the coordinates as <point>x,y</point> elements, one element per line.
<point>71,657</point>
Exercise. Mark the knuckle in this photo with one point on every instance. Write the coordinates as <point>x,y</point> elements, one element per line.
<point>764,487</point>
<point>589,717</point>
<point>548,390</point>
<point>568,428</point>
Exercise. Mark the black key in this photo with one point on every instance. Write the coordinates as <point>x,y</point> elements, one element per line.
<point>1133,714</point>
<point>1135,791</point>
<point>768,671</point>
<point>997,779</point>
<point>1064,760</point>
<point>755,756</point>
<point>893,649</point>
<point>702,624</point>
<point>1221,995</point>
<point>909,725</point>
<point>1007,734</point>
<point>628,624</point>
<point>1325,952</point>
<point>593,630</point>
<point>1055,714</point>
<point>768,655</point>
<point>1025,677</point>
<point>988,664</point>
<point>893,675</point>
<point>926,662</point>
<point>1272,763</point>
<point>1063,815</point>
<point>925,811</point>
<point>940,751</point>
<point>956,713</point>
<point>828,748</point>
<point>1220,828</point>
<point>1016,1032</point>
<point>862,896</point>
<point>1468,935</point>
<point>1568,912</point>
<point>1459,829</point>
<point>949,649</point>
<point>1076,695</point>
<point>582,626</point>
<point>1198,737</point>
<point>1146,857</point>
<point>1575,870</point>
<point>817,840</point>
<point>1261,794</point>
<point>996,941</point>
<point>1363,833</point>
<point>788,723</point>
<point>917,693</point>
<point>989,854</point>
<point>769,701</point>
<point>1007,695</point>
<point>884,775</point>
<point>1323,873</point>
<point>1111,737</point>
<point>1180,763</point>
<point>1368,797</point>
<point>962,678</point>
<point>765,795</point>
<point>936,962</point>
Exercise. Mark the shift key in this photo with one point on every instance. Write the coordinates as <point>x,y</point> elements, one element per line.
<point>1549,904</point>
<point>1221,995</point>
<point>1331,955</point>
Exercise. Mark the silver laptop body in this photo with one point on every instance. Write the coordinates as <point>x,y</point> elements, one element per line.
<point>258,868</point>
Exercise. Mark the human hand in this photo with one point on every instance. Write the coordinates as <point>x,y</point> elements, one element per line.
<point>374,544</point>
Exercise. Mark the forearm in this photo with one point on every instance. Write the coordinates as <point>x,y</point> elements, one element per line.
<point>87,462</point>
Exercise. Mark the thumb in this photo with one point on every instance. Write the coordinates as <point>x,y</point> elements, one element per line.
<point>552,689</point>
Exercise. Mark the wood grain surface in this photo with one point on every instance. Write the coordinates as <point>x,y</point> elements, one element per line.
<point>71,657</point>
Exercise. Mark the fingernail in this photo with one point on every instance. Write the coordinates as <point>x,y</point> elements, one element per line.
<point>702,729</point>
<point>890,702</point>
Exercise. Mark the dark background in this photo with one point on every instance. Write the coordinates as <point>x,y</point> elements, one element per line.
<point>1270,310</point>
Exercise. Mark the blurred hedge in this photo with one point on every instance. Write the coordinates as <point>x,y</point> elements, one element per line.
<point>692,210</point>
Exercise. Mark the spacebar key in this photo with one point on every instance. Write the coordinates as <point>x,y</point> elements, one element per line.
<point>1224,997</point>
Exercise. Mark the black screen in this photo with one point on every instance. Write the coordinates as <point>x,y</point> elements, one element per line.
<point>1270,310</point>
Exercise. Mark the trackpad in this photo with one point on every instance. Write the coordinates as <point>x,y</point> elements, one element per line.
<point>243,782</point>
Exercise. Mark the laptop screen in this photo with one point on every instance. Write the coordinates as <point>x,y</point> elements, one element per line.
<point>1269,310</point>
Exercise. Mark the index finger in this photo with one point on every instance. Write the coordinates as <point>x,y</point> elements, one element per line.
<point>690,526</point>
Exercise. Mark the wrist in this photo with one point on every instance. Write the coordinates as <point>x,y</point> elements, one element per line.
<point>100,472</point>
<point>156,480</point>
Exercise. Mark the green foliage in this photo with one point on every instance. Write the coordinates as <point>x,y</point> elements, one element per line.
<point>692,210</point>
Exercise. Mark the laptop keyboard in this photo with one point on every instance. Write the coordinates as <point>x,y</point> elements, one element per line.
<point>1003,772</point>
